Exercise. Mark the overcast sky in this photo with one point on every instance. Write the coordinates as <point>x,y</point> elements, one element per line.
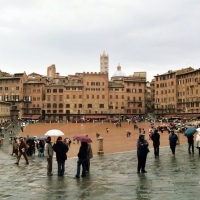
<point>141,35</point>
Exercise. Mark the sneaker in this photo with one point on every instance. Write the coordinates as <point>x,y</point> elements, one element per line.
<point>27,163</point>
<point>144,171</point>
<point>49,174</point>
<point>77,177</point>
<point>17,163</point>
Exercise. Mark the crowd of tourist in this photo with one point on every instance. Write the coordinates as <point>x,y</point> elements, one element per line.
<point>27,147</point>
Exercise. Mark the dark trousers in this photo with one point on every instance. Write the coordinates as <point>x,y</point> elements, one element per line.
<point>173,147</point>
<point>19,156</point>
<point>87,165</point>
<point>156,150</point>
<point>61,167</point>
<point>49,165</point>
<point>141,163</point>
<point>189,147</point>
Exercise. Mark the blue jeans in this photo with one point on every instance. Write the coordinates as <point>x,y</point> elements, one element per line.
<point>189,147</point>
<point>61,168</point>
<point>79,163</point>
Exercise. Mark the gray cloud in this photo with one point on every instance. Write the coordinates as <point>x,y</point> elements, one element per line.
<point>152,36</point>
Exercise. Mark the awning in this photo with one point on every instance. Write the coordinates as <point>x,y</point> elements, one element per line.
<point>192,115</point>
<point>173,116</point>
<point>26,116</point>
<point>95,117</point>
<point>34,117</point>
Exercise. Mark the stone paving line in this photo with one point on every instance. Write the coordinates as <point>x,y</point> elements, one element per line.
<point>111,176</point>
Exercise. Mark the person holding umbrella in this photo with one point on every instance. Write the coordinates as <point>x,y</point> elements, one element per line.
<point>61,150</point>
<point>172,141</point>
<point>89,156</point>
<point>189,133</point>
<point>190,143</point>
<point>48,152</point>
<point>82,158</point>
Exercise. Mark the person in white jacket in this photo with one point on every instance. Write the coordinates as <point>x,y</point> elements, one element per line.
<point>48,152</point>
<point>198,141</point>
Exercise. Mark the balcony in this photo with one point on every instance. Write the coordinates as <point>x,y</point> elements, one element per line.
<point>14,108</point>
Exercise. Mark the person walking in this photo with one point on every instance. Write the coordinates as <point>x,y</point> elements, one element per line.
<point>156,143</point>
<point>22,151</point>
<point>48,152</point>
<point>82,157</point>
<point>172,141</point>
<point>190,144</point>
<point>61,150</point>
<point>150,134</point>
<point>89,156</point>
<point>142,150</point>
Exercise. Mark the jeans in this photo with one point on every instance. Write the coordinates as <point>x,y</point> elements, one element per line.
<point>173,147</point>
<point>61,168</point>
<point>156,150</point>
<point>189,147</point>
<point>79,163</point>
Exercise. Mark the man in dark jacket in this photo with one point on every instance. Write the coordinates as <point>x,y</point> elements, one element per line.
<point>61,149</point>
<point>156,143</point>
<point>190,144</point>
<point>82,157</point>
<point>172,141</point>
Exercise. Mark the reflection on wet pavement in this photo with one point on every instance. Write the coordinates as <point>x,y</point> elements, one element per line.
<point>112,177</point>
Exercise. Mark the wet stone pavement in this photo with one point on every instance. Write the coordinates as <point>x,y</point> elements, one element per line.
<point>112,177</point>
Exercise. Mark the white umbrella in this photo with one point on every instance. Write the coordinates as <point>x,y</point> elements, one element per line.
<point>54,132</point>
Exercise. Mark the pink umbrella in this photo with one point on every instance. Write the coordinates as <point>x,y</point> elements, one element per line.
<point>82,138</point>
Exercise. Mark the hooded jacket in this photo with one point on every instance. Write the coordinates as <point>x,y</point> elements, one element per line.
<point>142,146</point>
